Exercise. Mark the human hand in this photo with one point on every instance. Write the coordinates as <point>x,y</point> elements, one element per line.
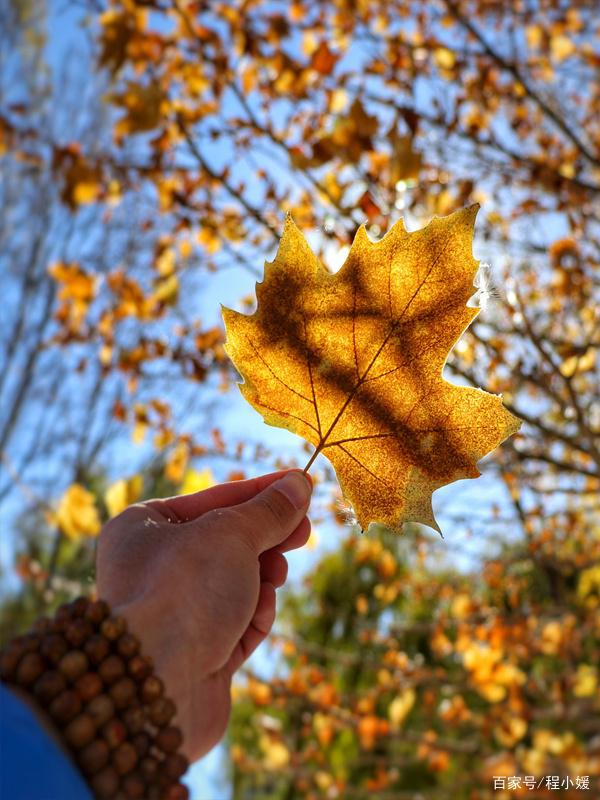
<point>195,578</point>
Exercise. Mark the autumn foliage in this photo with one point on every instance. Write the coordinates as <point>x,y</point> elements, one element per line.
<point>149,176</point>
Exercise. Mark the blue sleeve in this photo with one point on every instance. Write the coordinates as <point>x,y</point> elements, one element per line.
<point>32,766</point>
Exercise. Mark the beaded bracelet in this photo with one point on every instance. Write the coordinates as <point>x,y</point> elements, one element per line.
<point>86,672</point>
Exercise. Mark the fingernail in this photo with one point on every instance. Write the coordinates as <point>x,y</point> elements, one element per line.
<point>296,487</point>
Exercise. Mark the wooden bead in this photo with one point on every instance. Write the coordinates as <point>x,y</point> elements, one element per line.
<point>152,688</point>
<point>49,685</point>
<point>73,665</point>
<point>54,647</point>
<point>80,731</point>
<point>96,612</point>
<point>31,642</point>
<point>101,709</point>
<point>65,707</point>
<point>9,661</point>
<point>140,667</point>
<point>124,758</point>
<point>163,779</point>
<point>122,692</point>
<point>96,648</point>
<point>42,626</point>
<point>176,791</point>
<point>175,765</point>
<point>31,666</point>
<point>78,631</point>
<point>135,719</point>
<point>78,606</point>
<point>128,645</point>
<point>105,783</point>
<point>112,628</point>
<point>142,743</point>
<point>111,669</point>
<point>169,739</point>
<point>134,786</point>
<point>88,686</point>
<point>114,733</point>
<point>149,768</point>
<point>162,711</point>
<point>94,757</point>
<point>63,615</point>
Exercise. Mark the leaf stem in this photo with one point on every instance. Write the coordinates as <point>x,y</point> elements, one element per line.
<point>312,458</point>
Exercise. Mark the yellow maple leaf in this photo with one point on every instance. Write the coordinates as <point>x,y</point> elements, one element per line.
<point>123,493</point>
<point>353,363</point>
<point>76,514</point>
<point>194,481</point>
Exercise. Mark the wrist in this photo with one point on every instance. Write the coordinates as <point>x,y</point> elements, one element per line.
<point>97,694</point>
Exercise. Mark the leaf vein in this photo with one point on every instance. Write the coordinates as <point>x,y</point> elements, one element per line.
<point>277,378</point>
<point>360,464</point>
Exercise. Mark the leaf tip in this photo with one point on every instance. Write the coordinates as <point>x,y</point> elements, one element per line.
<point>289,222</point>
<point>469,214</point>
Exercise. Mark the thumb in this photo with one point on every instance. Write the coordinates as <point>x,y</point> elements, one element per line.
<point>274,513</point>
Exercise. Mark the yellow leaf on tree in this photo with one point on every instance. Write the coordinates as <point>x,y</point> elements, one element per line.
<point>534,35</point>
<point>510,731</point>
<point>123,493</point>
<point>85,192</point>
<point>166,262</point>
<point>209,240</point>
<point>400,707</point>
<point>75,283</point>
<point>353,362</point>
<point>588,586</point>
<point>338,101</point>
<point>551,638</point>
<point>579,363</point>
<point>194,481</point>
<point>461,606</point>
<point>138,433</point>
<point>177,462</point>
<point>77,515</point>
<point>406,162</point>
<point>586,681</point>
<point>444,58</point>
<point>166,290</point>
<point>276,756</point>
<point>561,47</point>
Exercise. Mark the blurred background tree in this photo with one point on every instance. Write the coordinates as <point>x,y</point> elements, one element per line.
<point>146,166</point>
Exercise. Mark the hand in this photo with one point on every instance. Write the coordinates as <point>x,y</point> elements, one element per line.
<point>195,577</point>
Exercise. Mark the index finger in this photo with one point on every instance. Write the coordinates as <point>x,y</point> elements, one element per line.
<point>183,508</point>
